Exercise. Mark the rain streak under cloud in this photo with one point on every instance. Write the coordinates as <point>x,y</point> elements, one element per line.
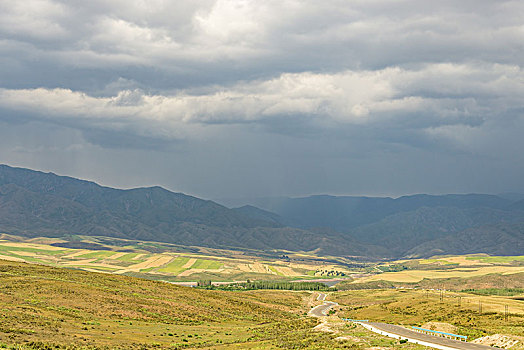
<point>246,98</point>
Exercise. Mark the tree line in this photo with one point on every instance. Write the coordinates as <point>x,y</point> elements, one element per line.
<point>253,285</point>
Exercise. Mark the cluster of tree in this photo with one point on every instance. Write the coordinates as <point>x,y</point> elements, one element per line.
<point>252,285</point>
<point>204,283</point>
<point>329,273</point>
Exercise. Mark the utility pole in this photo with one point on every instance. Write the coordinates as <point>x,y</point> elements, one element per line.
<point>506,313</point>
<point>480,307</point>
<point>459,300</point>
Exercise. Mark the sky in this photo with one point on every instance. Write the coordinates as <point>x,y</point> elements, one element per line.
<point>230,99</point>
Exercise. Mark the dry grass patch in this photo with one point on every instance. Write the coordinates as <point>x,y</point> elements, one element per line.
<point>62,308</point>
<point>31,246</point>
<point>413,276</point>
<point>189,263</point>
<point>77,253</point>
<point>116,255</point>
<point>11,258</point>
<point>154,261</point>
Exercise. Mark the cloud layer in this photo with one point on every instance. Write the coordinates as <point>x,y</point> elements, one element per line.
<point>346,81</point>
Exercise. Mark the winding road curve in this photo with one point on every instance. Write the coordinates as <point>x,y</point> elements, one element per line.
<point>399,332</point>
<point>322,310</point>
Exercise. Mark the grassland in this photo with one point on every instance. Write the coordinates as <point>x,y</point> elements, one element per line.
<point>441,268</point>
<point>44,307</point>
<point>56,308</point>
<point>175,266</point>
<point>497,259</point>
<point>412,276</point>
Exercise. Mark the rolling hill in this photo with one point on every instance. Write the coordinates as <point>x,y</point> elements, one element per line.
<point>499,239</point>
<point>43,204</point>
<point>57,308</point>
<point>406,225</point>
<point>344,213</point>
<point>425,226</point>
<point>34,203</point>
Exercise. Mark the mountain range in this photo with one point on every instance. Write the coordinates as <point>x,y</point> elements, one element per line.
<point>34,203</point>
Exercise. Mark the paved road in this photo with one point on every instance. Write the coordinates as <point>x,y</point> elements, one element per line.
<point>403,332</point>
<point>322,310</point>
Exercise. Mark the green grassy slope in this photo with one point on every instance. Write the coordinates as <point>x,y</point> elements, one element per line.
<point>61,308</point>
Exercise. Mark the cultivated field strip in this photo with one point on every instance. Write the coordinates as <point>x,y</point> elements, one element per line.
<point>166,264</point>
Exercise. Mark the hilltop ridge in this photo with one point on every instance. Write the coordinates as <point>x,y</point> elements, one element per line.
<point>34,203</point>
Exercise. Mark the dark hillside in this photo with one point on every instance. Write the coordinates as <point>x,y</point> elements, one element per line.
<point>406,230</point>
<point>260,214</point>
<point>501,239</point>
<point>34,203</point>
<point>345,213</point>
<point>152,205</point>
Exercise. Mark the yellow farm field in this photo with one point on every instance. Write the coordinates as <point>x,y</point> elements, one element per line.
<point>117,255</point>
<point>463,261</point>
<point>170,265</point>
<point>154,261</point>
<point>11,258</point>
<point>189,263</point>
<point>30,245</point>
<point>76,253</point>
<point>413,276</point>
<point>455,260</point>
<point>286,271</point>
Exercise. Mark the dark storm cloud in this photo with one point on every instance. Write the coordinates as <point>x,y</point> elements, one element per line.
<point>223,41</point>
<point>358,87</point>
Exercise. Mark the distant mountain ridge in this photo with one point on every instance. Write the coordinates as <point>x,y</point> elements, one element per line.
<point>497,239</point>
<point>146,202</point>
<point>261,214</point>
<point>34,203</point>
<point>408,225</point>
<point>344,213</point>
